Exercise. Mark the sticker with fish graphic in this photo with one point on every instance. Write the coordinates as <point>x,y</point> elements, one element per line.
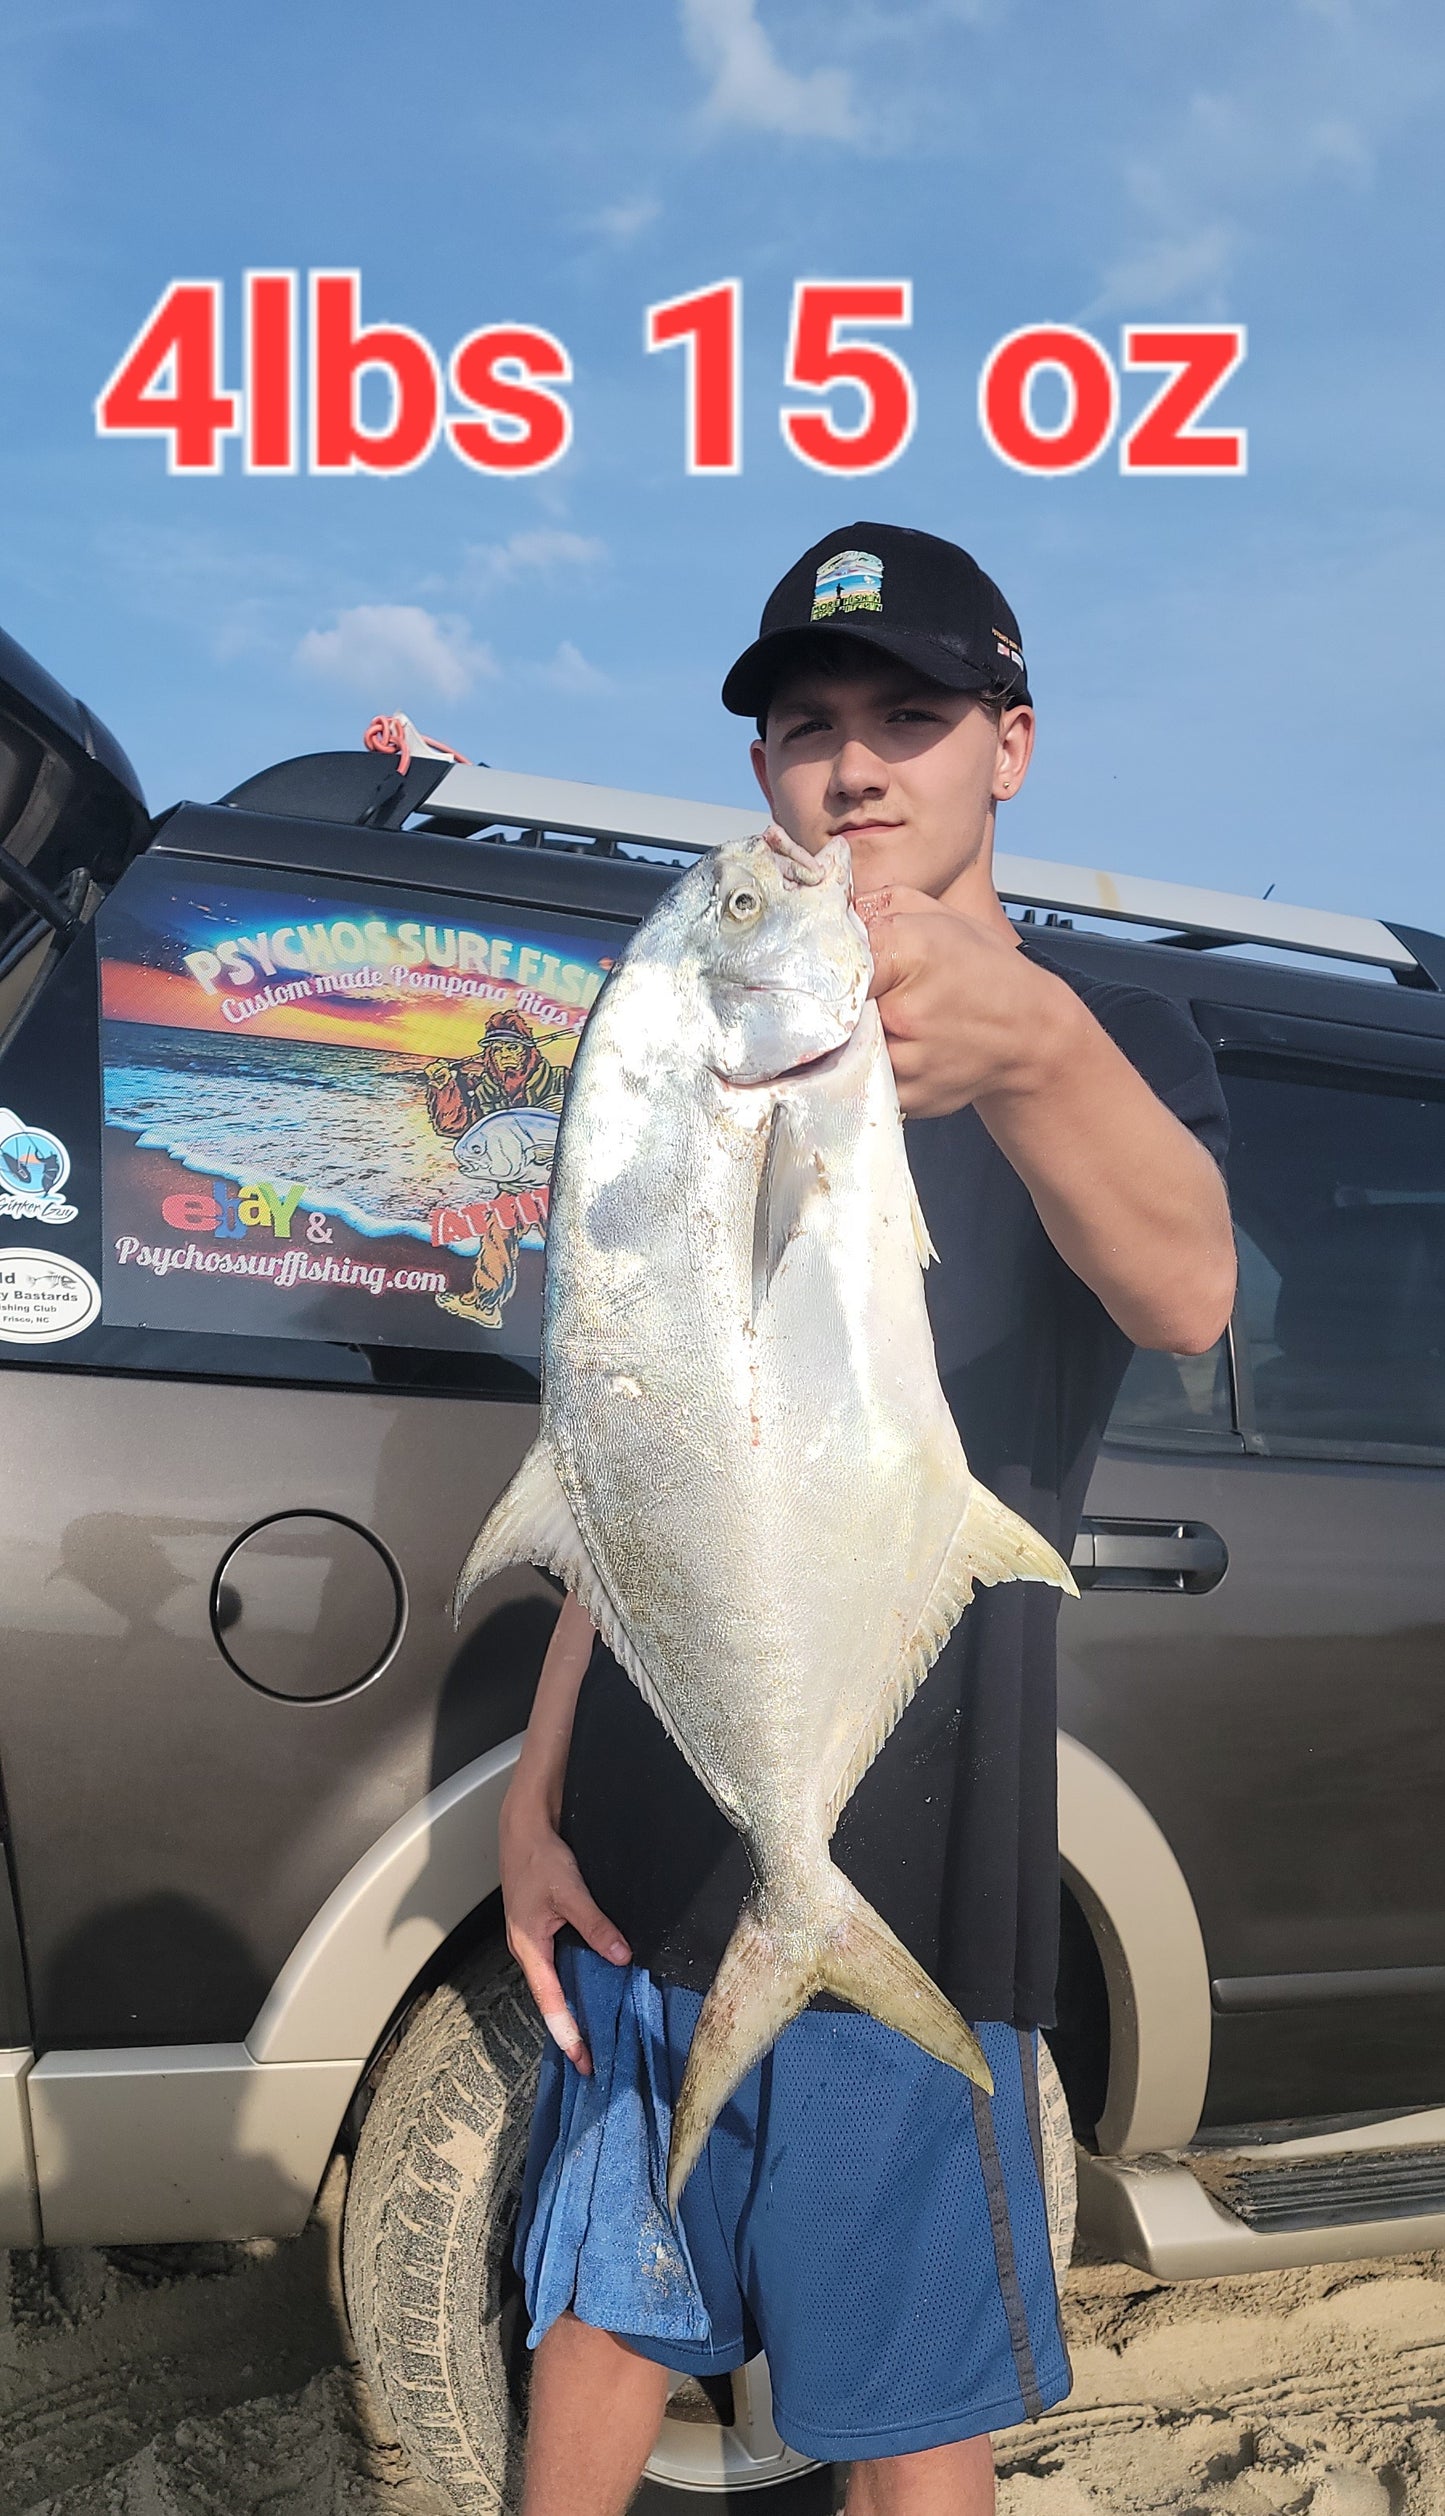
<point>331,1112</point>
<point>44,1299</point>
<point>34,1167</point>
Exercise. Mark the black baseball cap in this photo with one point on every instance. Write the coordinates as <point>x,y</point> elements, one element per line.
<point>907,594</point>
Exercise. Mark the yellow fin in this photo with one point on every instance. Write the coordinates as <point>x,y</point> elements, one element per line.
<point>534,1523</point>
<point>768,1974</point>
<point>531,1523</point>
<point>990,1544</point>
<point>922,1239</point>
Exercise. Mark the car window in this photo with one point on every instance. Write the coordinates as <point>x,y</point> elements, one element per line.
<point>1338,1187</point>
<point>309,1136</point>
<point>1174,1399</point>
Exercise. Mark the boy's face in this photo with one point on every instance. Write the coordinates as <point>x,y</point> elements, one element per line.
<point>907,771</point>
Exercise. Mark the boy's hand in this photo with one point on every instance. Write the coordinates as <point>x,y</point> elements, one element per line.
<point>964,1013</point>
<point>541,1889</point>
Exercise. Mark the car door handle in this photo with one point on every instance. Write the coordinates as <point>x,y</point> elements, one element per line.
<point>1148,1555</point>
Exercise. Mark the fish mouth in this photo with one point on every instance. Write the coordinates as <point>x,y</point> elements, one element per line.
<point>824,1061</point>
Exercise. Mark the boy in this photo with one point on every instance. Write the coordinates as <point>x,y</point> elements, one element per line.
<point>858,2212</point>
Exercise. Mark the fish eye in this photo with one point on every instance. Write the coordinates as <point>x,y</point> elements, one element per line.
<point>743,904</point>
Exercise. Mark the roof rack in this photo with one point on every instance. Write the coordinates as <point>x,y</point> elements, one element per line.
<point>1190,918</point>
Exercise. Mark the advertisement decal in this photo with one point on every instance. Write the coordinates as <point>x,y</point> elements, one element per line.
<point>331,1111</point>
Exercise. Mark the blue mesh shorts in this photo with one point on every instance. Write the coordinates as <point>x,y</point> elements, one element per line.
<point>861,2213</point>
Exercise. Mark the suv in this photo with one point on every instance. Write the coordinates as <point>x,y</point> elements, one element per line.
<point>279,1080</point>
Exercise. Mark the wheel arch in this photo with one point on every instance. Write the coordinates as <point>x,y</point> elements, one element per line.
<point>362,1955</point>
<point>230,2141</point>
<point>1119,1866</point>
<point>384,1924</point>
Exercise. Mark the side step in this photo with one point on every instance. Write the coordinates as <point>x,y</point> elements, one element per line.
<point>1196,2215</point>
<point>1332,2192</point>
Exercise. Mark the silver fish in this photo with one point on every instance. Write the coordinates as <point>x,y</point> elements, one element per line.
<point>747,1471</point>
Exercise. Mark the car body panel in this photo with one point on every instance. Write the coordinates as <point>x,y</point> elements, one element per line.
<point>174,1828</point>
<point>1268,1726</point>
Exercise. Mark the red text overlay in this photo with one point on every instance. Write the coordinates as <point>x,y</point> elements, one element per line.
<point>326,390</point>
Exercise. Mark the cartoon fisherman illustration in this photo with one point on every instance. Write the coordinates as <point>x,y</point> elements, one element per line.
<point>511,1072</point>
<point>501,1107</point>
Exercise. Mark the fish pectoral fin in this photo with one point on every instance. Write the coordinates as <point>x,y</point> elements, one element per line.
<point>990,1544</point>
<point>792,1173</point>
<point>768,1975</point>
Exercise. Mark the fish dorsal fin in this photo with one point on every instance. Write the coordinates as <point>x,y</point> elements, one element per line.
<point>534,1523</point>
<point>791,1174</point>
<point>991,1543</point>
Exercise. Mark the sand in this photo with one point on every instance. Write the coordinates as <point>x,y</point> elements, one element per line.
<point>217,2381</point>
<point>1305,2393</point>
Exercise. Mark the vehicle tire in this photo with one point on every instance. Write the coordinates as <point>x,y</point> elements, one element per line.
<point>426,2239</point>
<point>1061,2188</point>
<point>435,2311</point>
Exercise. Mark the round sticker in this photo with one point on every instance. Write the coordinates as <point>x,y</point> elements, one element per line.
<point>43,1299</point>
<point>33,1162</point>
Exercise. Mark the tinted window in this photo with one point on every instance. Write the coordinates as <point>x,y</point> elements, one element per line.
<point>1338,1187</point>
<point>1174,1398</point>
<point>306,1133</point>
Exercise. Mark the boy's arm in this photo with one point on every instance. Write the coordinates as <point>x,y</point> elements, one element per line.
<point>1129,1198</point>
<point>542,1886</point>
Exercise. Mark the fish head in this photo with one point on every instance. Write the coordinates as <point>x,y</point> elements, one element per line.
<point>777,956</point>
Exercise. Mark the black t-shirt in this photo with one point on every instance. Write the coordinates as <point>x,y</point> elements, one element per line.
<point>952,1833</point>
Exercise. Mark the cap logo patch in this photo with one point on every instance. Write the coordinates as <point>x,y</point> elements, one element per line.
<point>851,581</point>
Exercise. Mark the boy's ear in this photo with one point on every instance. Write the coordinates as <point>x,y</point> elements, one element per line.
<point>759,755</point>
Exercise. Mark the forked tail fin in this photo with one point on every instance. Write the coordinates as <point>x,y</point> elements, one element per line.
<point>769,1974</point>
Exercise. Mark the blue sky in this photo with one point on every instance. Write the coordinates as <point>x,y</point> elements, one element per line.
<point>1239,682</point>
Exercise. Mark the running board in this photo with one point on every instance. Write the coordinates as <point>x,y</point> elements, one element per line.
<point>1216,2215</point>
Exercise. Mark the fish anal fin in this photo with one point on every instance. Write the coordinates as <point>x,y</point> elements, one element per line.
<point>792,1173</point>
<point>991,1544</point>
<point>534,1523</point>
<point>770,1972</point>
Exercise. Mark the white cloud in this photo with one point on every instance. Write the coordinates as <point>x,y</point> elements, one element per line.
<point>570,672</point>
<point>538,551</point>
<point>384,649</point>
<point>1160,274</point>
<point>622,221</point>
<point>750,86</point>
<point>1314,103</point>
<point>1334,142</point>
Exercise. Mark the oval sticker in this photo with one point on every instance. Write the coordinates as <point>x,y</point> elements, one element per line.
<point>43,1299</point>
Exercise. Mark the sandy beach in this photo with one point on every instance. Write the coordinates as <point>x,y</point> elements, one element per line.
<point>217,2381</point>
